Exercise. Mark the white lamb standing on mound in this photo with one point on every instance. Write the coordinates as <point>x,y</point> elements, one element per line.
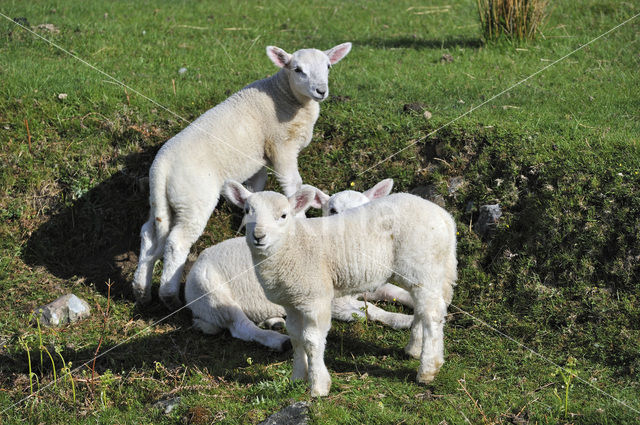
<point>265,124</point>
<point>222,290</point>
<point>302,264</point>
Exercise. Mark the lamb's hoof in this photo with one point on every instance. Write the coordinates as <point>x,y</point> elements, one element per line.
<point>286,346</point>
<point>429,374</point>
<point>320,392</point>
<point>426,377</point>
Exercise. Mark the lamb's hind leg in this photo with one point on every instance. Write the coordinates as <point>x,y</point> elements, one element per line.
<point>150,252</point>
<point>389,292</point>
<point>183,235</point>
<point>344,308</point>
<point>430,310</point>
<point>243,328</point>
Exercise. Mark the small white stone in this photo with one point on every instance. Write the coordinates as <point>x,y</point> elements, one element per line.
<point>182,70</point>
<point>62,96</point>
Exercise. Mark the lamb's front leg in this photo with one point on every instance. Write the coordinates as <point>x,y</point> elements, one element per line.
<point>285,165</point>
<point>316,324</point>
<point>294,329</point>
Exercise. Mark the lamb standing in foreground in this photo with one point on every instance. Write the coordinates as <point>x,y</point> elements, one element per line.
<point>303,263</point>
<point>223,292</point>
<point>265,124</point>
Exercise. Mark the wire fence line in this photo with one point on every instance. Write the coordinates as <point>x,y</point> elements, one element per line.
<point>120,83</point>
<point>480,321</point>
<point>499,94</point>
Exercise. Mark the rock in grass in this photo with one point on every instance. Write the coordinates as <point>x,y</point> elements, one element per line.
<point>295,414</point>
<point>49,28</point>
<point>454,184</point>
<point>488,219</point>
<point>430,193</point>
<point>414,107</point>
<point>167,405</point>
<point>446,58</point>
<point>66,309</point>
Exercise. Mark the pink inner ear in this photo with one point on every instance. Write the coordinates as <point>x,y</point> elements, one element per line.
<point>278,56</point>
<point>237,195</point>
<point>301,201</point>
<point>337,54</point>
<point>379,193</point>
<point>380,190</point>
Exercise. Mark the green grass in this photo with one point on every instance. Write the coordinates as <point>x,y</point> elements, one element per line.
<point>560,153</point>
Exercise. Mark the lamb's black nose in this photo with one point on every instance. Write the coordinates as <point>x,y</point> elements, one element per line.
<point>258,238</point>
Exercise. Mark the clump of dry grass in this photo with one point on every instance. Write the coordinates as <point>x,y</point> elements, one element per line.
<point>516,19</point>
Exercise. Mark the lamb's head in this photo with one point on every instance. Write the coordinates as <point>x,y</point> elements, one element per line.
<point>269,216</point>
<point>347,199</point>
<point>308,69</point>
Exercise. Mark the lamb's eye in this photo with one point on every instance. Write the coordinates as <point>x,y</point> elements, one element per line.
<point>329,66</point>
<point>283,216</point>
<point>298,69</point>
<point>333,211</point>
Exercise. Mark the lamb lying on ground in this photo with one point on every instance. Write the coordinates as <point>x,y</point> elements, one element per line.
<point>302,264</point>
<point>265,124</point>
<point>223,292</point>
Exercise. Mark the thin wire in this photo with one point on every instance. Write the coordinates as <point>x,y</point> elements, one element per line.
<point>543,358</point>
<point>498,95</point>
<point>71,372</point>
<point>512,339</point>
<point>140,94</point>
<point>450,122</point>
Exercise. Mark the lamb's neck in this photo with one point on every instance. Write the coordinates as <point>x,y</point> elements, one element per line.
<point>284,89</point>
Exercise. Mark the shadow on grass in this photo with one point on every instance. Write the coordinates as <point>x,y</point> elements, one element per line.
<point>418,43</point>
<point>219,355</point>
<point>95,237</point>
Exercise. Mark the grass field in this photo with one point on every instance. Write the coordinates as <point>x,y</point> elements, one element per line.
<point>559,152</point>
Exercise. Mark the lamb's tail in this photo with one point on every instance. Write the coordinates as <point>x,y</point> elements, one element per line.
<point>160,211</point>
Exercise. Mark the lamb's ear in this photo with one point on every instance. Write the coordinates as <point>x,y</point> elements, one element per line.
<point>381,189</point>
<point>320,199</point>
<point>278,56</point>
<point>302,199</point>
<point>336,53</point>
<point>235,193</point>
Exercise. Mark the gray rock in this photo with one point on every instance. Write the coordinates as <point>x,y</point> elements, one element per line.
<point>455,183</point>
<point>414,107</point>
<point>66,309</point>
<point>487,220</point>
<point>446,58</point>
<point>430,193</point>
<point>295,414</point>
<point>167,405</point>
